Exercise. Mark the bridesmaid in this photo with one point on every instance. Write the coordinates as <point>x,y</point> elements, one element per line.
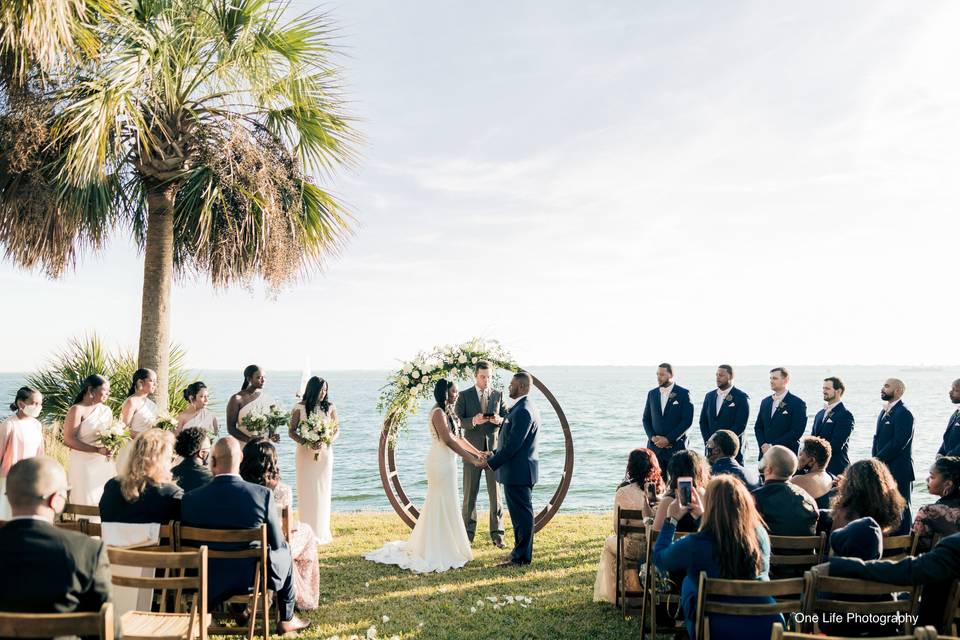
<point>89,465</point>
<point>196,414</point>
<point>138,411</point>
<point>21,436</point>
<point>251,396</point>
<point>314,477</point>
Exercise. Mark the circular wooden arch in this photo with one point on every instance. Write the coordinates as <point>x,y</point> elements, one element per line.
<point>390,477</point>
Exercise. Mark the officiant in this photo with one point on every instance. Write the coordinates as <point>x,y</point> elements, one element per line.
<point>481,410</point>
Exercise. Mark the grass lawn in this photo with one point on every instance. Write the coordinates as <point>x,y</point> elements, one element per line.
<point>356,594</point>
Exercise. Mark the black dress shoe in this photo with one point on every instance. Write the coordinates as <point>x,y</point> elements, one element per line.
<point>499,544</point>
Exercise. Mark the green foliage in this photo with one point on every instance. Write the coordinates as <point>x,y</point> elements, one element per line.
<point>62,378</point>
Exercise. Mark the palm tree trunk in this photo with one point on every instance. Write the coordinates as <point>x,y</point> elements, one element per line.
<point>157,277</point>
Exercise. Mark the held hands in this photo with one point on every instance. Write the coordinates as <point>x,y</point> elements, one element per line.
<point>496,419</point>
<point>660,441</point>
<point>479,420</point>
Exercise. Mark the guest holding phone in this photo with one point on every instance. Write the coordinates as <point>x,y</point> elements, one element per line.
<point>692,468</point>
<point>642,476</point>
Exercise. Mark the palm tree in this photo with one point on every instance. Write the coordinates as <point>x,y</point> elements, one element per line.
<point>194,124</point>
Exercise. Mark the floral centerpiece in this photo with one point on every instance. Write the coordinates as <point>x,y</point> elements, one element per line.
<point>166,423</point>
<point>414,380</point>
<point>114,437</point>
<point>317,430</point>
<point>265,424</point>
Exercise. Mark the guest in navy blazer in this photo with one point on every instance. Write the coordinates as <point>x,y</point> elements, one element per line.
<point>834,423</point>
<point>722,449</point>
<point>951,437</point>
<point>725,407</point>
<point>893,441</point>
<point>229,502</point>
<point>667,416</point>
<point>782,417</point>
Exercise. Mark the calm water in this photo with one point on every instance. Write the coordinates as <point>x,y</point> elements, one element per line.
<point>604,407</point>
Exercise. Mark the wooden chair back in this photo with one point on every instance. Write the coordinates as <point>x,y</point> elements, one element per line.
<point>287,526</point>
<point>51,625</point>
<point>76,511</point>
<point>830,594</point>
<point>653,597</point>
<point>796,552</point>
<point>897,547</point>
<point>789,594</point>
<point>920,633</point>
<point>951,613</point>
<point>630,528</point>
<point>215,539</point>
<point>165,543</point>
<point>80,525</point>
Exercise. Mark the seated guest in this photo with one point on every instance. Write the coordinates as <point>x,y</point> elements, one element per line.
<point>687,463</point>
<point>943,517</point>
<point>229,502</point>
<point>193,445</point>
<point>787,509</point>
<point>46,569</point>
<point>722,450</point>
<point>642,467</point>
<point>731,544</point>
<point>813,459</point>
<point>260,466</point>
<point>144,492</point>
<point>867,489</point>
<point>936,570</point>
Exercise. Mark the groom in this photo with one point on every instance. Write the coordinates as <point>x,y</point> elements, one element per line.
<point>517,464</point>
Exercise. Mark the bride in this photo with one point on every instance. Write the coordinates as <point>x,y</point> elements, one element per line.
<point>439,539</point>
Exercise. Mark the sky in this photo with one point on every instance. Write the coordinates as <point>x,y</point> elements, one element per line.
<point>601,183</point>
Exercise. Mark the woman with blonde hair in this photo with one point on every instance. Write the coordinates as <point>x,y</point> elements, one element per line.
<point>144,492</point>
<point>732,544</point>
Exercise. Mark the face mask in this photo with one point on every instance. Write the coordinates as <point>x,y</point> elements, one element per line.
<point>32,410</point>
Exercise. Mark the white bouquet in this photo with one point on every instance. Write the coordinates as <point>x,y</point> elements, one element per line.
<point>166,423</point>
<point>317,430</point>
<point>114,437</point>
<point>265,424</point>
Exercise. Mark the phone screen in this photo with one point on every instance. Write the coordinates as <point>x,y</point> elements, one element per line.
<point>685,490</point>
<point>651,492</point>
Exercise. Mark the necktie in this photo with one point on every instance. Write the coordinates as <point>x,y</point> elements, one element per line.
<point>483,401</point>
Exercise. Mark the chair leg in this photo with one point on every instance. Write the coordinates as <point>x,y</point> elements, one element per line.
<point>254,601</point>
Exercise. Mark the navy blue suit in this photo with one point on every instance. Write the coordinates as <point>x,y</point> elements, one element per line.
<point>733,416</point>
<point>748,477</point>
<point>229,502</point>
<point>836,429</point>
<point>517,464</point>
<point>785,427</point>
<point>893,444</point>
<point>672,423</point>
<point>951,437</point>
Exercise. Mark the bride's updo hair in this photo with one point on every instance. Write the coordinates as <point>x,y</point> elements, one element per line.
<point>247,374</point>
<point>440,392</point>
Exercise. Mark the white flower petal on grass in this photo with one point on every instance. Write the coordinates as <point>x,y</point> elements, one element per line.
<point>394,637</point>
<point>371,632</point>
<point>509,599</point>
<point>419,625</point>
<point>385,619</point>
<point>473,609</point>
<point>366,584</point>
<point>492,598</point>
<point>442,589</point>
<point>479,603</point>
<point>524,605</point>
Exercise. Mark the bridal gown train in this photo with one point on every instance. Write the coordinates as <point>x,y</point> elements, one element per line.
<point>439,540</point>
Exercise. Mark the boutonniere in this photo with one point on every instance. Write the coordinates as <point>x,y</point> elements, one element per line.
<point>673,394</point>
<point>780,405</point>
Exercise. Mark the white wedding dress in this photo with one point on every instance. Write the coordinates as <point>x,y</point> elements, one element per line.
<point>439,540</point>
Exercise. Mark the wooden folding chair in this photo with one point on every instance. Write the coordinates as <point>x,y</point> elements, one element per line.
<point>789,594</point>
<point>951,613</point>
<point>287,526</point>
<point>80,525</point>
<point>653,597</point>
<point>143,625</point>
<point>920,633</point>
<point>258,599</point>
<point>631,543</point>
<point>897,547</point>
<point>795,554</point>
<point>829,594</point>
<point>73,511</point>
<point>51,625</point>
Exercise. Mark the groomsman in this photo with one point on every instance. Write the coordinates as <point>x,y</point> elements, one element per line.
<point>667,416</point>
<point>834,423</point>
<point>893,441</point>
<point>782,418</point>
<point>725,407</point>
<point>951,437</point>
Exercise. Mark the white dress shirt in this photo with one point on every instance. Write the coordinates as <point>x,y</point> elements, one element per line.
<point>722,396</point>
<point>777,399</point>
<point>665,396</point>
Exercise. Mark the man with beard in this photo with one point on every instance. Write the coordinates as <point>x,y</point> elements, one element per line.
<point>951,437</point>
<point>725,407</point>
<point>893,442</point>
<point>834,423</point>
<point>667,416</point>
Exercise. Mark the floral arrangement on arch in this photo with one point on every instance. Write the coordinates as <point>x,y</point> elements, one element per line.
<point>415,379</point>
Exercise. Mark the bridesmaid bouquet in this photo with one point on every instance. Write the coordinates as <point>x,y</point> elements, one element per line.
<point>318,429</point>
<point>166,423</point>
<point>114,437</point>
<point>265,424</point>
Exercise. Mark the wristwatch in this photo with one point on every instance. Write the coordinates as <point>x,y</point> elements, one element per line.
<point>672,521</point>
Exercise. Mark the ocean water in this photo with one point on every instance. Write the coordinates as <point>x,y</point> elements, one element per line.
<point>603,405</point>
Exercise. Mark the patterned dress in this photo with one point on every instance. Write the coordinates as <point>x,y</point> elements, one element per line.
<point>303,548</point>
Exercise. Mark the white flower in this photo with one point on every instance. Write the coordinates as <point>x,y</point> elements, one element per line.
<point>509,599</point>
<point>385,619</point>
<point>416,374</point>
<point>462,359</point>
<point>407,368</point>
<point>492,598</point>
<point>475,359</point>
<point>366,584</point>
<point>424,378</point>
<point>419,625</point>
<point>473,609</point>
<point>394,637</point>
<point>371,632</point>
<point>479,603</point>
<point>404,380</point>
<point>497,606</point>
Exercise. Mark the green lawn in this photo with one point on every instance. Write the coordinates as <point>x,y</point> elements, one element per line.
<point>356,594</point>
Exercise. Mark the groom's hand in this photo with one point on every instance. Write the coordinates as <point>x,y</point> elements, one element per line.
<point>479,420</point>
<point>496,419</point>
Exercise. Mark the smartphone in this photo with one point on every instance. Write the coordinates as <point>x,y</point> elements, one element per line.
<point>685,490</point>
<point>489,415</point>
<point>651,489</point>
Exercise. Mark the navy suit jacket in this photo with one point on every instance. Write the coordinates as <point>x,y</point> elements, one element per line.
<point>517,461</point>
<point>893,443</point>
<point>671,423</point>
<point>836,429</point>
<point>230,502</point>
<point>951,437</point>
<point>785,427</point>
<point>733,416</point>
<point>748,477</point>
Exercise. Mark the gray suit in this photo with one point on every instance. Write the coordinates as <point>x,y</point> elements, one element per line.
<point>484,438</point>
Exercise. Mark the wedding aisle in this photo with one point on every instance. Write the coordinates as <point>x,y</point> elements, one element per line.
<point>356,595</point>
